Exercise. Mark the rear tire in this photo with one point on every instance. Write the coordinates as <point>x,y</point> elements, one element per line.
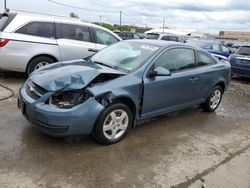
<point>213,101</point>
<point>113,124</point>
<point>38,62</point>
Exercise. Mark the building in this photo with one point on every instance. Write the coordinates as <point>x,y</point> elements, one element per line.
<point>234,35</point>
<point>176,31</point>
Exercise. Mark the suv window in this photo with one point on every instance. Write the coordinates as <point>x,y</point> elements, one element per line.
<point>224,48</point>
<point>215,47</point>
<point>177,59</point>
<point>103,37</point>
<point>136,36</point>
<point>244,50</point>
<point>173,38</point>
<point>165,38</point>
<point>5,19</point>
<point>41,29</point>
<point>73,32</point>
<point>204,59</point>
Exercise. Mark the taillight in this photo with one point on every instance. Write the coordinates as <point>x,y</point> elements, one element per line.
<point>3,42</point>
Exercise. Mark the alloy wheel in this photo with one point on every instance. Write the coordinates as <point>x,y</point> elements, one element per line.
<point>215,99</point>
<point>115,124</point>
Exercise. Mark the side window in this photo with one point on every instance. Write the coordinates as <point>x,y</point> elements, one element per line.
<point>173,38</point>
<point>177,59</point>
<point>204,59</point>
<point>224,48</point>
<point>130,35</point>
<point>105,38</point>
<point>41,29</point>
<point>74,32</point>
<point>165,38</point>
<point>136,36</point>
<point>216,47</point>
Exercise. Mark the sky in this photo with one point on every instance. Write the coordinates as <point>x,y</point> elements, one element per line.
<point>208,16</point>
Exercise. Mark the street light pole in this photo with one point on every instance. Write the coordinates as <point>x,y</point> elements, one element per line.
<point>120,20</point>
<point>5,6</point>
<point>100,19</point>
<point>163,25</point>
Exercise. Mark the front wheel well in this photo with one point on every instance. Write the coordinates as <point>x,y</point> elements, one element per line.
<point>127,101</point>
<point>222,85</point>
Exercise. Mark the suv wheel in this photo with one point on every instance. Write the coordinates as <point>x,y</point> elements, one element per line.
<point>113,124</point>
<point>214,100</point>
<point>37,63</point>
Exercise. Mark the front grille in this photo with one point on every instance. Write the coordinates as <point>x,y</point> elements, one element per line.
<point>34,91</point>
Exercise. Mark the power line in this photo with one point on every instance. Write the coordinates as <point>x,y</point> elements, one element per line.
<point>107,11</point>
<point>80,8</point>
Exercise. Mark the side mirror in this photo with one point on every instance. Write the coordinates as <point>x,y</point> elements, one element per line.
<point>159,71</point>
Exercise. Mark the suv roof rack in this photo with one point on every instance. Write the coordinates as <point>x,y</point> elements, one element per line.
<point>46,14</point>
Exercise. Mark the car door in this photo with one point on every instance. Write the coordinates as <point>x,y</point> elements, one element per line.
<point>75,41</point>
<point>167,93</point>
<point>103,38</point>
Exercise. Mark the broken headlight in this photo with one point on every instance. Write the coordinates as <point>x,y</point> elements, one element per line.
<point>68,99</point>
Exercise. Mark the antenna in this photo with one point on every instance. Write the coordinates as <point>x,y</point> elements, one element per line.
<point>5,6</point>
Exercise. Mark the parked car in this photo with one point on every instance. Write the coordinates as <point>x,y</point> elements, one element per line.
<point>240,61</point>
<point>126,35</point>
<point>126,82</point>
<point>216,48</point>
<point>164,36</point>
<point>29,41</point>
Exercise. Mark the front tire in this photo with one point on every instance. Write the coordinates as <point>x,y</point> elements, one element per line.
<point>213,102</point>
<point>113,124</point>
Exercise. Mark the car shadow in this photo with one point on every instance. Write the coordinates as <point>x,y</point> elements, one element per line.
<point>243,80</point>
<point>12,75</point>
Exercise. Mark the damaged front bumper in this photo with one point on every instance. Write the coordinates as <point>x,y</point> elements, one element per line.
<point>78,120</point>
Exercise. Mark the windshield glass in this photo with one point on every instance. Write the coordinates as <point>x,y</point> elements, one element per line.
<point>244,50</point>
<point>125,56</point>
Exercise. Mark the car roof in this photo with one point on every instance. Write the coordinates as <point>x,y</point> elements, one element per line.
<point>25,17</point>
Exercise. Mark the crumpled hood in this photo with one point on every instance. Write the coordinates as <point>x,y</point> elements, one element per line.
<point>69,75</point>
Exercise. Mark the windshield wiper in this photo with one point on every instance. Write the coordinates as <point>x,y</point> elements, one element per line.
<point>103,64</point>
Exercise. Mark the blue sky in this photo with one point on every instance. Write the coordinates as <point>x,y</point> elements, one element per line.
<point>206,16</point>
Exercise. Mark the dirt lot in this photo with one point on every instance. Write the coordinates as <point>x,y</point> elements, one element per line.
<point>183,149</point>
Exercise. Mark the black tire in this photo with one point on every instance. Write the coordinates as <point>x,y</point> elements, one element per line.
<point>207,105</point>
<point>98,132</point>
<point>34,62</point>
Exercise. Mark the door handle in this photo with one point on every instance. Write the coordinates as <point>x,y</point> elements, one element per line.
<point>92,50</point>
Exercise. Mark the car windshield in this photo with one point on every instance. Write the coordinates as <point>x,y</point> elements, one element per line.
<point>244,50</point>
<point>125,56</point>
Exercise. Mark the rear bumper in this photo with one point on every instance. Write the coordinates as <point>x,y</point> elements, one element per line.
<point>79,120</point>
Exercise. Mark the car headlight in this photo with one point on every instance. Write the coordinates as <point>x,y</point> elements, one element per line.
<point>69,99</point>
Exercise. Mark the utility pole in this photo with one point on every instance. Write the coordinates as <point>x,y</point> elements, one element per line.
<point>163,25</point>
<point>120,20</point>
<point>100,22</point>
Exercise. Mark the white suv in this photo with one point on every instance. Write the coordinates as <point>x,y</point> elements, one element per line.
<point>29,41</point>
